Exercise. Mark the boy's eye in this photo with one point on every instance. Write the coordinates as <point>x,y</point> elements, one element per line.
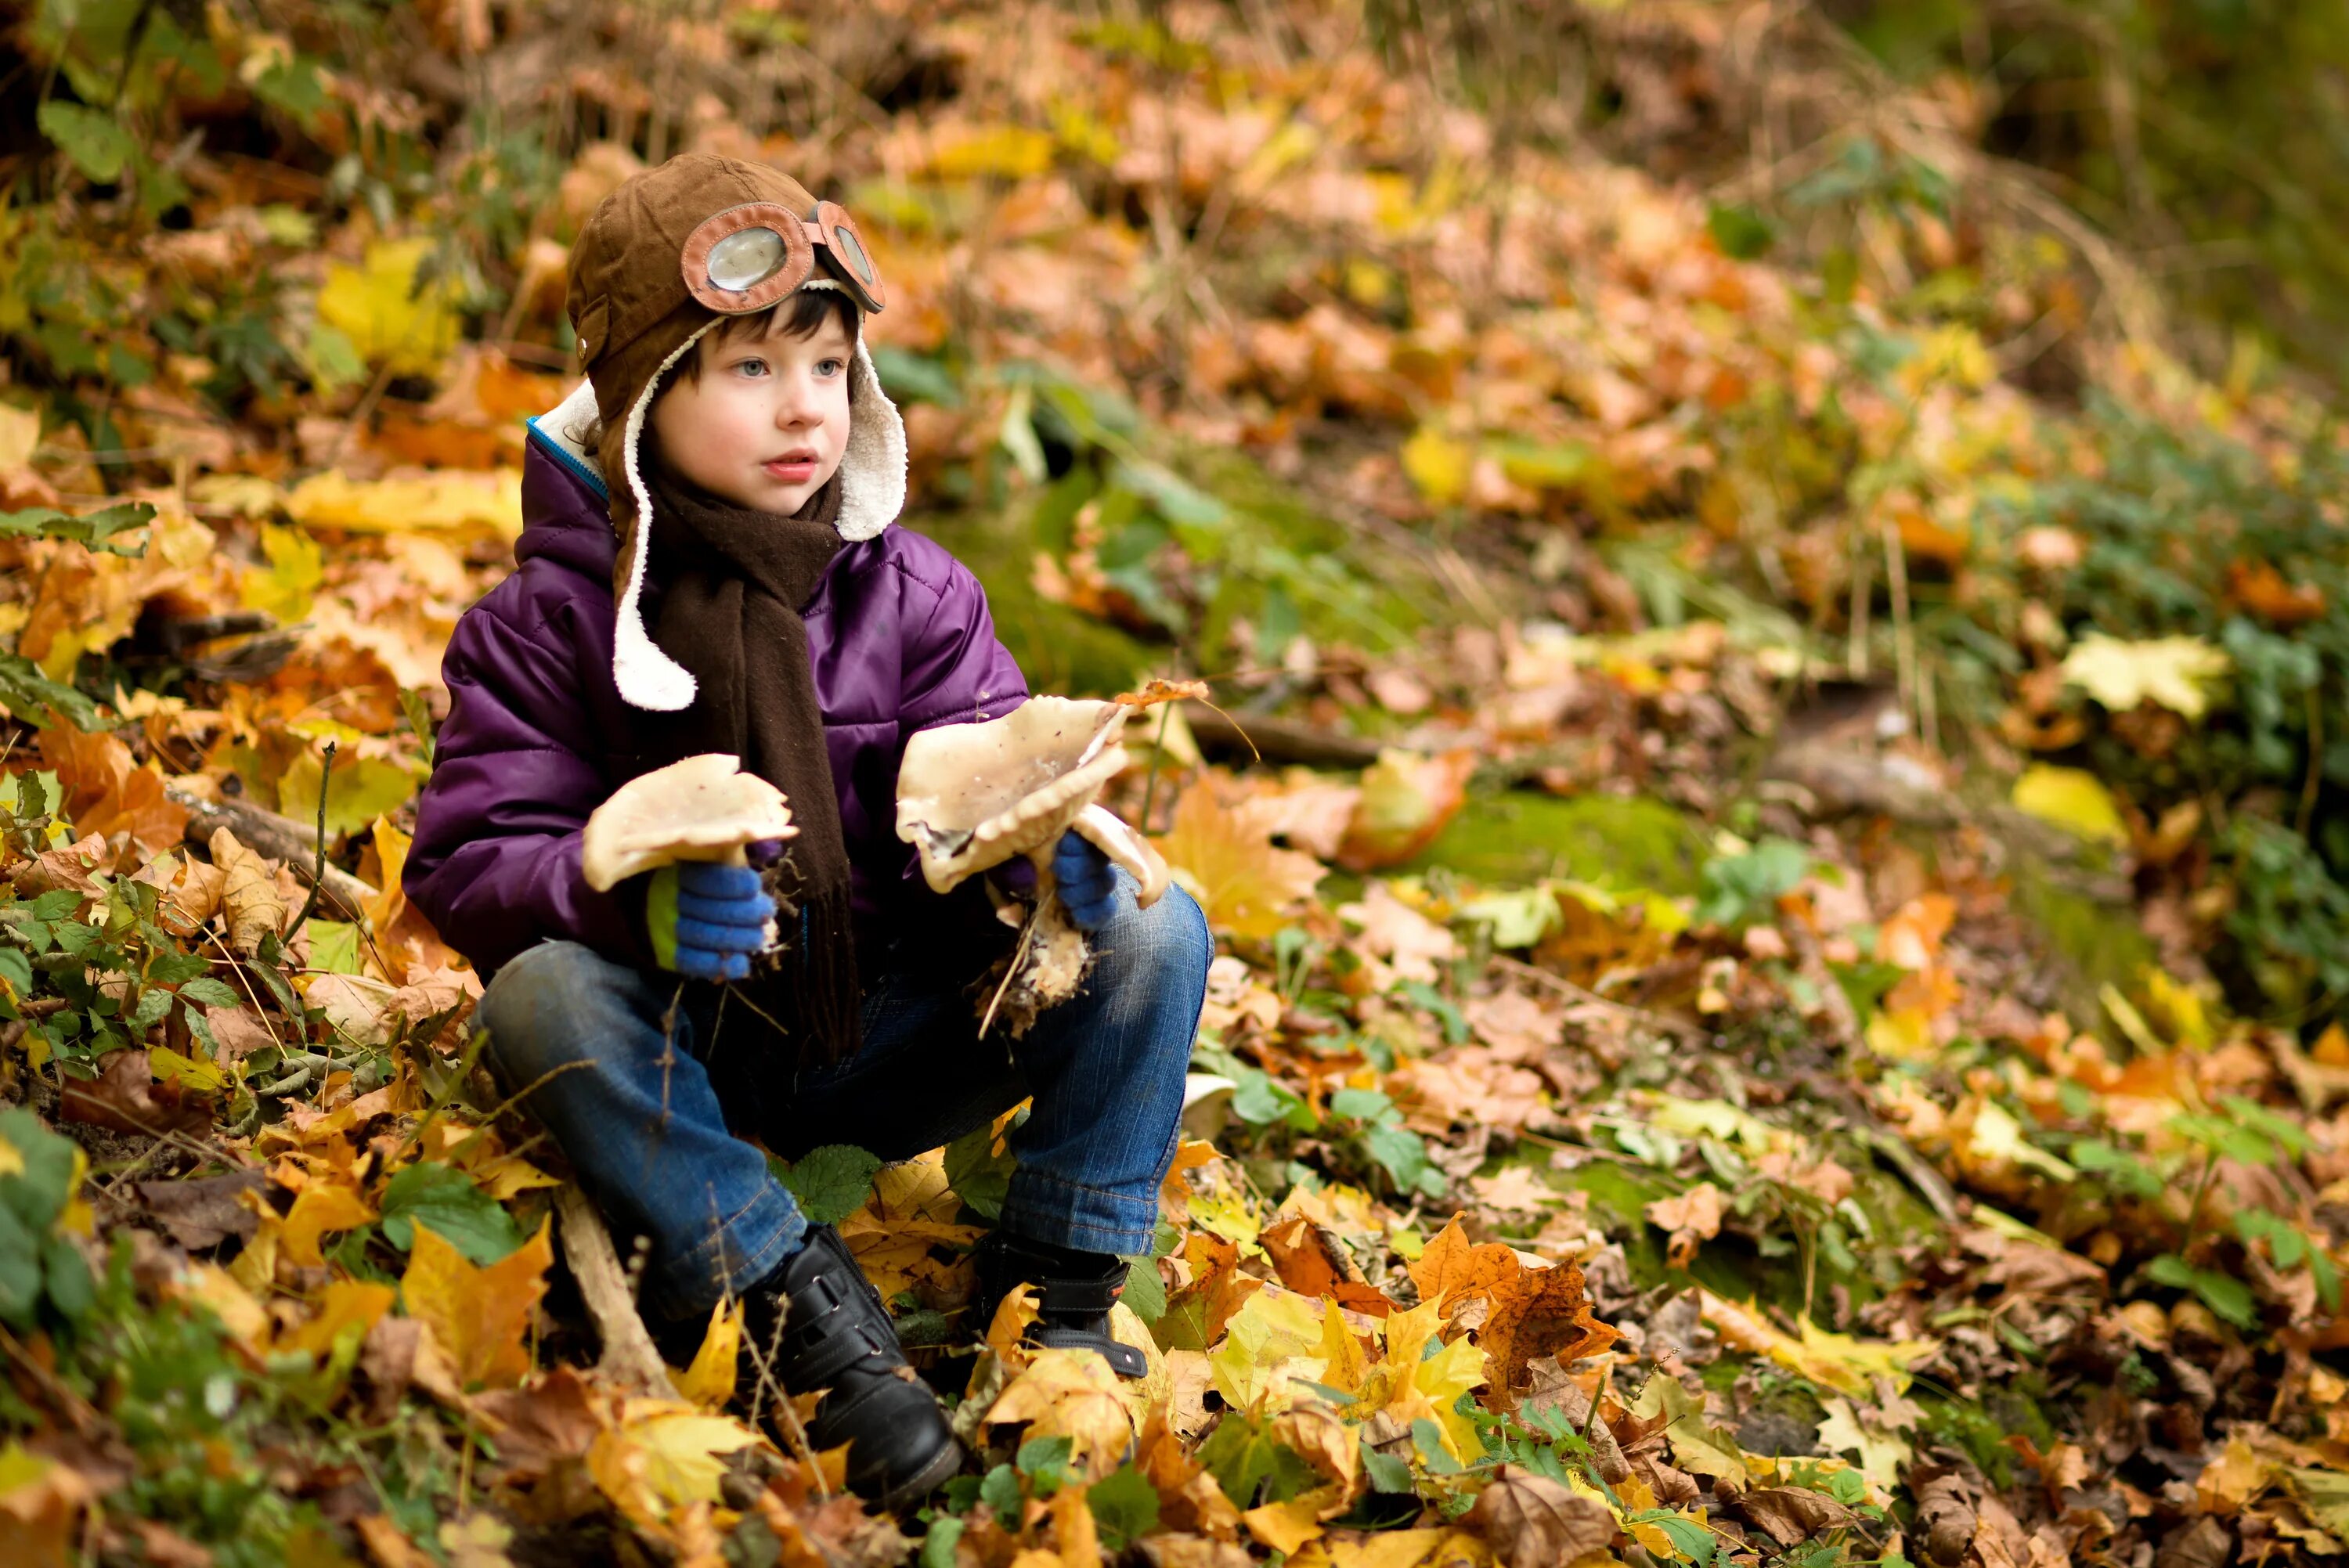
<point>751,367</point>
<point>831,366</point>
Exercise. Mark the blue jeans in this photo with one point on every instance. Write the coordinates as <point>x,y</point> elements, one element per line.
<point>631,1072</point>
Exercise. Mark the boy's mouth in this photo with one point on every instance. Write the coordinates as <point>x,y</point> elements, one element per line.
<point>791,468</point>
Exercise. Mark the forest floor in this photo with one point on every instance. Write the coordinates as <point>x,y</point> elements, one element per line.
<point>1764,800</point>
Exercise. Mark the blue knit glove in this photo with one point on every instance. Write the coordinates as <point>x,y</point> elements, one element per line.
<point>1088,881</point>
<point>706,919</point>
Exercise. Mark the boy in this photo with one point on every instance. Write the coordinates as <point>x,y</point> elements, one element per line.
<point>709,564</point>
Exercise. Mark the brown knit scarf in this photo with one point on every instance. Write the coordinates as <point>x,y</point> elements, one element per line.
<point>732,582</point>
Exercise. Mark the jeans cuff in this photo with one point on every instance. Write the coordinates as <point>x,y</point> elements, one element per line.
<point>744,1249</point>
<point>1044,1208</point>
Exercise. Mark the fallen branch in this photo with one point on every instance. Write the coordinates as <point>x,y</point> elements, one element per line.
<point>275,838</point>
<point>628,1352</point>
<point>1276,739</point>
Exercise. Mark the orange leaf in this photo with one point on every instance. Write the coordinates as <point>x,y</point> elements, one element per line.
<point>479,1316</point>
<point>1224,854</point>
<point>322,1207</point>
<point>1451,1267</point>
<point>107,792</point>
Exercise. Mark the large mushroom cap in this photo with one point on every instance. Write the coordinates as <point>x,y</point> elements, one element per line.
<point>702,808</point>
<point>972,796</point>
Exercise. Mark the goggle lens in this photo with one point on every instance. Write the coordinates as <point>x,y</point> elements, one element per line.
<point>744,259</point>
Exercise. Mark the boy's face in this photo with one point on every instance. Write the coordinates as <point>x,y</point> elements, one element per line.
<point>766,422</point>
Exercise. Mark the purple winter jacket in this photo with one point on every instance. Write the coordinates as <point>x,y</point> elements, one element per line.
<point>538,736</point>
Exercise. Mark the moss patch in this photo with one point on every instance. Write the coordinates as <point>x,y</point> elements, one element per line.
<point>1616,841</point>
<point>2098,945</point>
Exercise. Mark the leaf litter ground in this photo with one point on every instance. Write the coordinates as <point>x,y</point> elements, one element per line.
<point>1818,1173</point>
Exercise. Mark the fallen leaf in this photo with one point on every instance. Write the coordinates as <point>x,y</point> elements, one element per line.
<point>255,908</point>
<point>107,792</point>
<point>1071,1394</point>
<point>126,1098</point>
<point>2175,673</point>
<point>2073,799</point>
<point>479,1316</point>
<point>710,1381</point>
<point>1406,800</point>
<point>1532,1521</point>
<point>1226,860</point>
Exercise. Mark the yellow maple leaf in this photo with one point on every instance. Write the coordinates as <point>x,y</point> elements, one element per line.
<point>480,1316</point>
<point>346,1307</point>
<point>1224,856</point>
<point>1071,1394</point>
<point>2175,673</point>
<point>2072,799</point>
<point>1839,1360</point>
<point>710,1381</point>
<point>1437,464</point>
<point>391,317</point>
<point>1286,1527</point>
<point>457,501</point>
<point>1268,1341</point>
<point>321,1207</point>
<point>663,1455</point>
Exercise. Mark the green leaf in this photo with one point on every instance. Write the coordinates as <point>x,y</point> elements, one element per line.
<point>206,992</point>
<point>1361,1104</point>
<point>831,1182</point>
<point>445,1199</point>
<point>92,528</point>
<point>1245,1460</point>
<point>2224,1295</point>
<point>938,1545</point>
<point>1124,1506</point>
<point>30,695</point>
<point>1001,1491</point>
<point>92,139</point>
<point>335,946</point>
<point>979,1177</point>
<point>20,1270</point>
<point>1741,232</point>
<point>1386,1473</point>
<point>1428,1438</point>
<point>1045,1462</point>
<point>1145,1291</point>
<point>71,1289</point>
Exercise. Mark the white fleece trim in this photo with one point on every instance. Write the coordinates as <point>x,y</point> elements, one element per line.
<point>646,678</point>
<point>873,469</point>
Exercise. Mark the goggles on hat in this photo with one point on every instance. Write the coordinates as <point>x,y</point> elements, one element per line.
<point>746,258</point>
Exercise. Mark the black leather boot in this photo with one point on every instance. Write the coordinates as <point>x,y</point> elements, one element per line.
<point>837,1336</point>
<point>1075,1292</point>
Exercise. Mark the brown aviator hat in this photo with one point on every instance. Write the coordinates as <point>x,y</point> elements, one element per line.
<point>661,260</point>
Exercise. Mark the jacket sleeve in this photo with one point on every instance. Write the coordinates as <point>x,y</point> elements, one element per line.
<point>495,862</point>
<point>955,672</point>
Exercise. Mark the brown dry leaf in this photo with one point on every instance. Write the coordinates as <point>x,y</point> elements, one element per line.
<point>126,1098</point>
<point>1532,1521</point>
<point>1153,692</point>
<point>553,1419</point>
<point>1411,944</point>
<point>479,1316</point>
<point>1226,860</point>
<point>248,894</point>
<point>1691,1217</point>
<point>1538,1313</point>
<point>1791,1514</point>
<point>75,865</point>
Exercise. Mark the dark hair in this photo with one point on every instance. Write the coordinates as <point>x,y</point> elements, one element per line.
<point>800,314</point>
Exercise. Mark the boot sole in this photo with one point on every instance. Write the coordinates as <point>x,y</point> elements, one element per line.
<point>925,1480</point>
